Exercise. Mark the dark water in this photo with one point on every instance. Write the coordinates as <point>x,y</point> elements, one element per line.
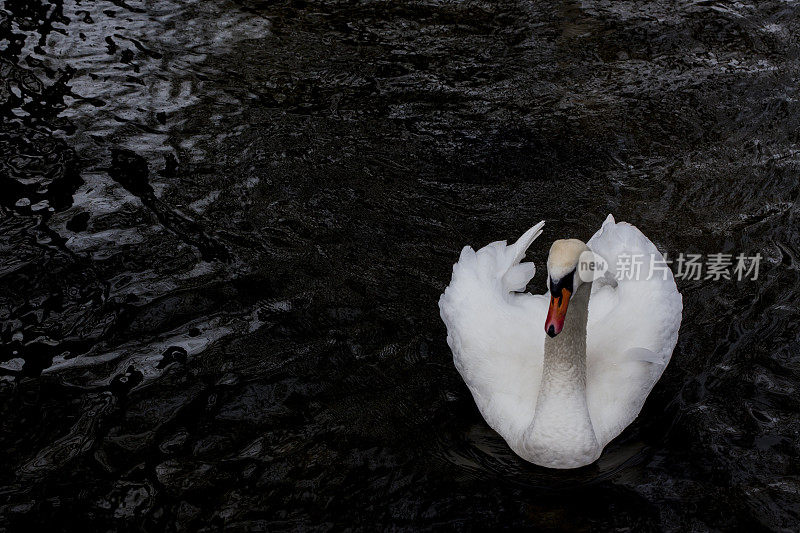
<point>225,225</point>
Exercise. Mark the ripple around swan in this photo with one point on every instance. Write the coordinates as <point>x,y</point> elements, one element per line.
<point>482,452</point>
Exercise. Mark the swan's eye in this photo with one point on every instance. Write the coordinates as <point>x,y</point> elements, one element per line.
<point>563,283</point>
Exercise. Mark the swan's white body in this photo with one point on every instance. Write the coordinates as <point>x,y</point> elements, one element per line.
<point>559,405</point>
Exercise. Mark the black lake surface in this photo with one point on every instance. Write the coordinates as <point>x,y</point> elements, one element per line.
<point>225,225</point>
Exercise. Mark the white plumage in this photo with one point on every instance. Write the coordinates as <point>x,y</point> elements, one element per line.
<point>497,337</point>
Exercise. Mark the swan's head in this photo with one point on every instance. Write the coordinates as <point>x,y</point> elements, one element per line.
<point>563,280</point>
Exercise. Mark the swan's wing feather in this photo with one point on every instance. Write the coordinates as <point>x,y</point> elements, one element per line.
<point>632,329</point>
<point>495,332</point>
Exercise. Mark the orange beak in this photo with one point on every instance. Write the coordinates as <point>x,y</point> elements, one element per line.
<point>558,310</point>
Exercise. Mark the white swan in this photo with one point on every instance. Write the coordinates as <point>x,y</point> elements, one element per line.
<point>558,399</point>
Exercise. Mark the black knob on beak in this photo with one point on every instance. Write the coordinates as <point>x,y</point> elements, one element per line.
<point>551,330</point>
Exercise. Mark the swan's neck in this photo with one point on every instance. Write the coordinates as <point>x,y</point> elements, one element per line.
<point>564,367</point>
<point>561,432</point>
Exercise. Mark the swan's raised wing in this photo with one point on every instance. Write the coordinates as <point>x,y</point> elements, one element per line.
<point>632,327</point>
<point>495,331</point>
